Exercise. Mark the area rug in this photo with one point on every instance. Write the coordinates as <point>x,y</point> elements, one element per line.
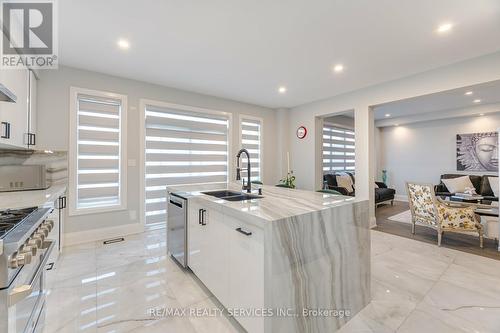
<point>404,217</point>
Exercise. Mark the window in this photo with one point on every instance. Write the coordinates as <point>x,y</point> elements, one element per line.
<point>338,148</point>
<point>251,139</point>
<point>183,145</point>
<point>98,121</point>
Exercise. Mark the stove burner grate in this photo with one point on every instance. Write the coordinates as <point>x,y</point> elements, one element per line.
<point>11,217</point>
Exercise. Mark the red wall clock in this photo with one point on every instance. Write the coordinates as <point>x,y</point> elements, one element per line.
<point>301,132</point>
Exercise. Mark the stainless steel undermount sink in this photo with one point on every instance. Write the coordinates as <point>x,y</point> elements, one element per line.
<point>231,195</point>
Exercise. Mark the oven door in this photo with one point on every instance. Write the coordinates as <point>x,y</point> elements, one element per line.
<point>26,297</point>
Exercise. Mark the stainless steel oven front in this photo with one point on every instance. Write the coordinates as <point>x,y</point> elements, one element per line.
<point>24,300</point>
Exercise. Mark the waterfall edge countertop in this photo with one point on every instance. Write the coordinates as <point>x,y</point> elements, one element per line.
<point>291,250</point>
<point>35,198</point>
<point>276,203</point>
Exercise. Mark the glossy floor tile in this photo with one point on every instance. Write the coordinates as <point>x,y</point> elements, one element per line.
<point>419,287</point>
<point>124,287</point>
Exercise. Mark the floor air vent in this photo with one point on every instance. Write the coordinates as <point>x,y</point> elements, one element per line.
<point>114,240</point>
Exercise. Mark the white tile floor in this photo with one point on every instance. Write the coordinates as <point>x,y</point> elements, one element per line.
<point>416,287</point>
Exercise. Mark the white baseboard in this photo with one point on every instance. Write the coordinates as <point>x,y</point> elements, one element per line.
<point>401,197</point>
<point>80,237</point>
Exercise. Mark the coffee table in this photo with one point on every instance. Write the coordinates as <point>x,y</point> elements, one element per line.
<point>476,200</point>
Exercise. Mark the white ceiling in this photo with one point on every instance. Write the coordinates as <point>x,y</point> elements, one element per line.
<point>488,93</point>
<point>244,50</point>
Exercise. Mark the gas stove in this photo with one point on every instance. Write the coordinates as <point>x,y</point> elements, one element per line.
<point>25,248</point>
<point>11,217</point>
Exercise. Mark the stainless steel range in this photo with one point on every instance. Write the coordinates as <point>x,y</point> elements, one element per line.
<point>24,251</point>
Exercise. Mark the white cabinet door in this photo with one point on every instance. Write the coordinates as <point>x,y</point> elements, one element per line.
<point>54,234</point>
<point>15,114</point>
<point>195,238</point>
<point>32,110</point>
<point>246,276</point>
<point>216,264</point>
<point>62,201</point>
<point>208,244</point>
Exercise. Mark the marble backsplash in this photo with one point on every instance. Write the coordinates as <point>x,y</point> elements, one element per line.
<point>56,163</point>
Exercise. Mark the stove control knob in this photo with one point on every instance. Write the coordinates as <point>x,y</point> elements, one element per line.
<point>47,226</point>
<point>40,235</point>
<point>49,223</point>
<point>42,231</point>
<point>45,229</point>
<point>35,242</point>
<point>20,260</point>
<point>29,249</point>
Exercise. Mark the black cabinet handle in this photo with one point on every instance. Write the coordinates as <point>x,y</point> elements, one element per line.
<point>203,216</point>
<point>62,202</point>
<point>6,134</point>
<point>32,139</point>
<point>200,211</point>
<point>246,233</point>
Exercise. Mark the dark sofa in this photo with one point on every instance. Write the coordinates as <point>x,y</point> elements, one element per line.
<point>382,192</point>
<point>481,184</point>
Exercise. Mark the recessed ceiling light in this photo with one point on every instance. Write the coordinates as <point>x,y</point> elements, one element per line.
<point>387,115</point>
<point>444,28</point>
<point>338,68</point>
<point>477,101</point>
<point>282,90</point>
<point>468,93</point>
<point>481,114</point>
<point>123,44</point>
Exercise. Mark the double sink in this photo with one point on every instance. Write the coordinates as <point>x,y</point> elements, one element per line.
<point>231,195</point>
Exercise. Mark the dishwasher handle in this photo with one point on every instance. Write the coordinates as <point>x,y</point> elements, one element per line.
<point>178,204</point>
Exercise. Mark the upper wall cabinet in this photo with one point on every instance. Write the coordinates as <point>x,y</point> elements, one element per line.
<point>18,120</point>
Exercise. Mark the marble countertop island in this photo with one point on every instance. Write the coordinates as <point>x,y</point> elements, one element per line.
<point>303,256</point>
<point>276,203</point>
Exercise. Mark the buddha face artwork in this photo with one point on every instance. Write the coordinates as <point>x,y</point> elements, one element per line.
<point>477,152</point>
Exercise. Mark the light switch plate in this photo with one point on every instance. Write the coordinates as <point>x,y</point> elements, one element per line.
<point>132,163</point>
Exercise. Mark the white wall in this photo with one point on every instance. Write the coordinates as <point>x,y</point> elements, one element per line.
<point>53,130</point>
<point>304,152</point>
<point>341,120</point>
<point>423,151</point>
<point>282,139</point>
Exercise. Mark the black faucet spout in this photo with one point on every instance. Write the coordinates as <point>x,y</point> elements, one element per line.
<point>248,187</point>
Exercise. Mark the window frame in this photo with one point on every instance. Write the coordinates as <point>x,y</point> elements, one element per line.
<point>241,118</point>
<point>73,153</point>
<point>143,103</point>
<point>344,157</point>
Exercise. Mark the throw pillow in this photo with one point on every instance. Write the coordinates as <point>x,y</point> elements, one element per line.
<point>345,181</point>
<point>457,185</point>
<point>494,185</point>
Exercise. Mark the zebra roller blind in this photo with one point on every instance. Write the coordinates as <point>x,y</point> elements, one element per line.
<point>338,148</point>
<point>182,147</point>
<point>251,139</point>
<point>98,125</point>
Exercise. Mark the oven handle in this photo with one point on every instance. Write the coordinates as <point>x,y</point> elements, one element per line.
<point>23,291</point>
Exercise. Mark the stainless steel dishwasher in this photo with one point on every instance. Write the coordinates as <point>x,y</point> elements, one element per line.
<point>177,228</point>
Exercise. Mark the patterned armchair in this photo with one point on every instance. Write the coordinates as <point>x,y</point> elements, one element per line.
<point>441,215</point>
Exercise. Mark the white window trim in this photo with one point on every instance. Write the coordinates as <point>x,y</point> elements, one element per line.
<point>261,146</point>
<point>143,102</point>
<point>73,152</point>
